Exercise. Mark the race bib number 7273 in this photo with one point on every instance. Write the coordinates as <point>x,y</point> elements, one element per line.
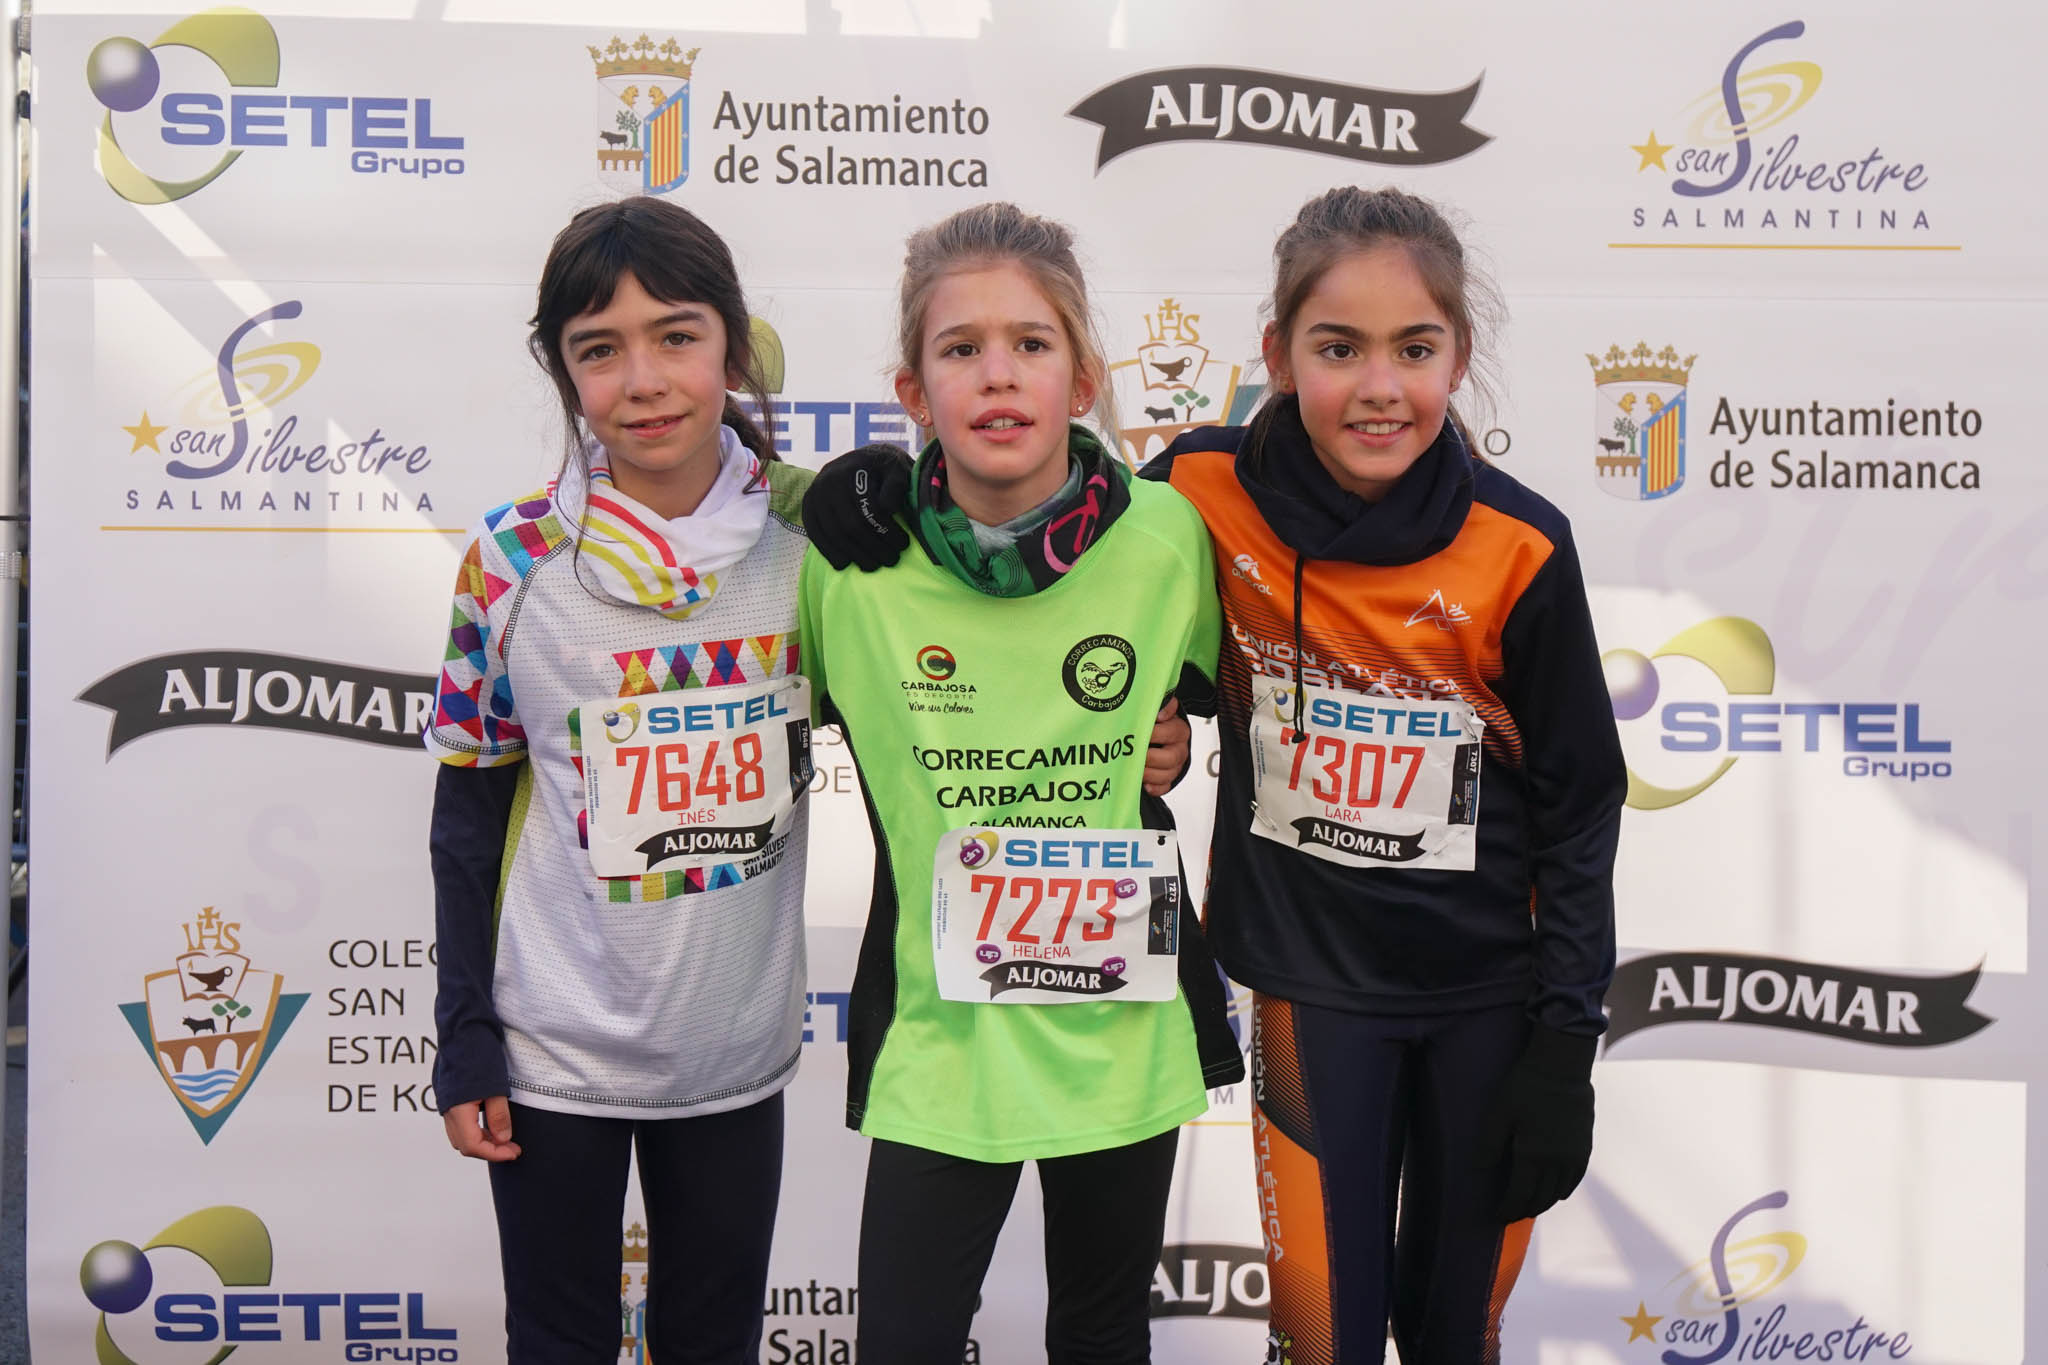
<point>1055,916</point>
<point>1367,781</point>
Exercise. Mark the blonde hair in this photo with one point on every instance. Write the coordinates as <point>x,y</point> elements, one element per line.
<point>995,234</point>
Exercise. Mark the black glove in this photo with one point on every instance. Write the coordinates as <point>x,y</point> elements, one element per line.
<point>1540,1131</point>
<point>851,508</point>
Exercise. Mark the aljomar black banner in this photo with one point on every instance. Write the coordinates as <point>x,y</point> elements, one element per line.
<point>1234,104</point>
<point>1880,1008</point>
<point>274,691</point>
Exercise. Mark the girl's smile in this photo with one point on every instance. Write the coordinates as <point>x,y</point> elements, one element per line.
<point>1373,361</point>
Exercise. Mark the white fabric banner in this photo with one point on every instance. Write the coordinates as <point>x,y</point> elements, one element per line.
<point>282,262</point>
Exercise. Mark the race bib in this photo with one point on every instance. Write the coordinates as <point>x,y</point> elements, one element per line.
<point>1367,781</point>
<point>1049,917</point>
<point>692,779</point>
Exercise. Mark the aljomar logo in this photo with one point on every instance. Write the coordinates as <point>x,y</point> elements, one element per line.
<point>272,691</point>
<point>211,1021</point>
<point>1232,104</point>
<point>1837,1002</point>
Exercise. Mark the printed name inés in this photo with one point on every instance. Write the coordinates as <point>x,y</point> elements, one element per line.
<point>274,691</point>
<point>1859,1006</point>
<point>857,161</point>
<point>1233,104</point>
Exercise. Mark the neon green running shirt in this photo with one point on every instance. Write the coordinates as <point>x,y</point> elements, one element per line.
<point>964,709</point>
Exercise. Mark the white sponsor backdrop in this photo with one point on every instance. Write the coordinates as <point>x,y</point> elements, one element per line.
<point>235,573</point>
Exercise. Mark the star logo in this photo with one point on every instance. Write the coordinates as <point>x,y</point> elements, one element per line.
<point>1652,153</point>
<point>1643,1323</point>
<point>145,433</point>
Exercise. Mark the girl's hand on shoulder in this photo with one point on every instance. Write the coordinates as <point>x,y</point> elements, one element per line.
<point>1166,759</point>
<point>482,1130</point>
<point>852,507</point>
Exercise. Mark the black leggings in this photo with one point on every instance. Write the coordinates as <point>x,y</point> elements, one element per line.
<point>928,1231</point>
<point>710,1185</point>
<point>1356,1116</point>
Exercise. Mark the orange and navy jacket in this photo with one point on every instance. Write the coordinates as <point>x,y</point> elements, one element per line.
<point>1459,583</point>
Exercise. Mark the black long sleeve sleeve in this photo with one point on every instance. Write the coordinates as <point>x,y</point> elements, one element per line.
<point>472,813</point>
<point>1575,781</point>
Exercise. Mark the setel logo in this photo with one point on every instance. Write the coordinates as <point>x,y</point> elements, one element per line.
<point>188,104</point>
<point>1722,1308</point>
<point>1735,173</point>
<point>1882,739</point>
<point>211,1021</point>
<point>157,1305</point>
<point>816,429</point>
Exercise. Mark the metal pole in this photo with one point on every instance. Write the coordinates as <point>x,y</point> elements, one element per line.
<point>10,423</point>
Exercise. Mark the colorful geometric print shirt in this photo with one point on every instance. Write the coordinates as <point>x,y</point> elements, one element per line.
<point>662,995</point>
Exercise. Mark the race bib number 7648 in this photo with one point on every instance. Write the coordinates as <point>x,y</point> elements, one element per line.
<point>695,778</point>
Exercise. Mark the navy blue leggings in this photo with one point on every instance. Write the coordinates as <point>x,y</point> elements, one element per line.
<point>710,1185</point>
<point>1353,1116</point>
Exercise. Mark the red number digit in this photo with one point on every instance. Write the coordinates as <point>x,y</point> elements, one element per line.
<point>672,776</point>
<point>636,759</point>
<point>1412,753</point>
<point>993,884</point>
<point>1036,890</point>
<point>1072,887</point>
<point>1297,741</point>
<point>1334,769</point>
<point>1102,890</point>
<point>711,780</point>
<point>1379,769</point>
<point>751,782</point>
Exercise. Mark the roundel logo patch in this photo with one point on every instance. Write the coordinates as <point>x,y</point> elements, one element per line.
<point>1098,671</point>
<point>936,662</point>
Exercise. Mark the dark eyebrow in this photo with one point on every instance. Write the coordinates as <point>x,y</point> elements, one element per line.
<point>967,327</point>
<point>1338,329</point>
<point>575,339</point>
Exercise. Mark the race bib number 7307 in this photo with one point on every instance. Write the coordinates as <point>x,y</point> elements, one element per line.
<point>1367,781</point>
